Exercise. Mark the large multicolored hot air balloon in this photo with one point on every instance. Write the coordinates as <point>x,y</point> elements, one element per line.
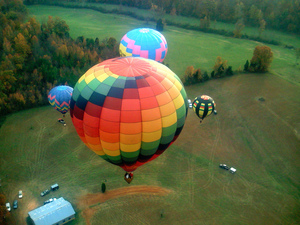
<point>59,97</point>
<point>203,106</point>
<point>129,110</point>
<point>144,42</point>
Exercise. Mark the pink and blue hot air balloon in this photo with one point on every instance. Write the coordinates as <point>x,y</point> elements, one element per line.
<point>59,97</point>
<point>144,42</point>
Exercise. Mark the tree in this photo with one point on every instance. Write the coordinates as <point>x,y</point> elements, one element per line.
<point>220,67</point>
<point>188,74</point>
<point>7,78</point>
<point>61,28</point>
<point>205,23</point>
<point>239,10</point>
<point>21,45</point>
<point>159,25</point>
<point>262,26</point>
<point>256,15</point>
<point>261,60</point>
<point>103,187</point>
<point>62,50</point>
<point>239,26</point>
<point>173,11</point>
<point>239,15</point>
<point>246,66</point>
<point>7,46</point>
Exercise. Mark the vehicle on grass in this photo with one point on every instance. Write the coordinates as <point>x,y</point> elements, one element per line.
<point>232,170</point>
<point>49,200</point>
<point>54,187</point>
<point>45,192</point>
<point>60,120</point>
<point>15,204</point>
<point>20,194</point>
<point>8,206</point>
<point>190,103</point>
<point>224,166</point>
<point>215,112</point>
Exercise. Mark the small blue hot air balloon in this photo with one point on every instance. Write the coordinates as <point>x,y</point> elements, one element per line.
<point>59,97</point>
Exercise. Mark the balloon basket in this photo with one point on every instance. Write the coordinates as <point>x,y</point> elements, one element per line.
<point>128,177</point>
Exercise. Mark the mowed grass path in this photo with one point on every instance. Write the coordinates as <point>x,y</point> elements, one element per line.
<point>256,137</point>
<point>185,48</point>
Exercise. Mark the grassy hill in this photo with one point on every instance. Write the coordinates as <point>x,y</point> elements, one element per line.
<point>187,186</point>
<point>186,48</point>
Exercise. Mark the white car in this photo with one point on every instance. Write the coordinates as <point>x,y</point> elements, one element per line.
<point>8,206</point>
<point>20,194</point>
<point>190,103</point>
<point>49,200</point>
<point>232,170</point>
<point>224,166</point>
<point>45,192</point>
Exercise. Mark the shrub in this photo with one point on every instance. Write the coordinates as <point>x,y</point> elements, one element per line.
<point>229,71</point>
<point>205,76</point>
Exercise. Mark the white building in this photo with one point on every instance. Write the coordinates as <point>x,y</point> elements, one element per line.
<point>57,212</point>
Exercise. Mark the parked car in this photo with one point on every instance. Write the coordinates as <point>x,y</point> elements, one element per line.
<point>215,111</point>
<point>8,206</point>
<point>20,194</point>
<point>232,170</point>
<point>190,103</point>
<point>224,166</point>
<point>45,192</point>
<point>49,200</point>
<point>60,120</point>
<point>54,187</point>
<point>15,205</point>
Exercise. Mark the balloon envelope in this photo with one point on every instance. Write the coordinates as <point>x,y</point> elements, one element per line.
<point>203,106</point>
<point>59,97</point>
<point>144,42</point>
<point>128,110</point>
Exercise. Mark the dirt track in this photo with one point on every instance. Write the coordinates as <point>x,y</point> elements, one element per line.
<point>86,202</point>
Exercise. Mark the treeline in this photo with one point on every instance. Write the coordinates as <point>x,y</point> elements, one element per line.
<point>276,14</point>
<point>259,63</point>
<point>35,57</point>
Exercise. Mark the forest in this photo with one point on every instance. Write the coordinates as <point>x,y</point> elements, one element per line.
<point>281,15</point>
<point>35,57</point>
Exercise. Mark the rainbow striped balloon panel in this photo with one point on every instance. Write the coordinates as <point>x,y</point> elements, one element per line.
<point>126,109</point>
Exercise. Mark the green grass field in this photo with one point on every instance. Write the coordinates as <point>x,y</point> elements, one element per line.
<point>258,138</point>
<point>284,38</point>
<point>185,48</point>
